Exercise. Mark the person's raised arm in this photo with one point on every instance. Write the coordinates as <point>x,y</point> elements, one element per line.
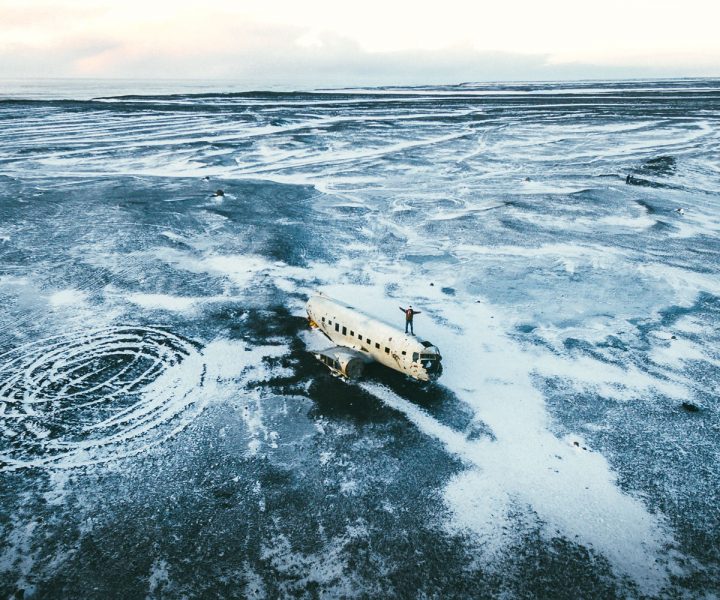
<point>402,309</point>
<point>416,312</point>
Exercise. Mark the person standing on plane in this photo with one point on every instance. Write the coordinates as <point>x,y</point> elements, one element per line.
<point>409,314</point>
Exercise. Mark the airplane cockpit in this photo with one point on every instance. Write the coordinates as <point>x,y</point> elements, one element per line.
<point>429,359</point>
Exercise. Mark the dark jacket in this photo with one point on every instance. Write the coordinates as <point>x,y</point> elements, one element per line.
<point>409,313</point>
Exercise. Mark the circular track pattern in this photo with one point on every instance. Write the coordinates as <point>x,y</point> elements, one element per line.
<point>95,395</point>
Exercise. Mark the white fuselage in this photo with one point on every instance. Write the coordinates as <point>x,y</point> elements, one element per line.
<point>348,327</point>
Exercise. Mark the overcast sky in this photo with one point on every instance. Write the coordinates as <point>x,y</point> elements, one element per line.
<point>331,42</point>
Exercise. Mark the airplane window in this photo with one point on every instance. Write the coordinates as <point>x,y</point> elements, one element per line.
<point>387,350</point>
<point>415,356</point>
<point>352,333</point>
<point>323,319</point>
<point>337,326</point>
<point>369,341</point>
<point>359,337</point>
<point>344,330</point>
<point>377,345</point>
<point>404,353</point>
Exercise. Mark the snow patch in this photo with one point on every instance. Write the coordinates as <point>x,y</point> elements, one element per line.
<point>68,297</point>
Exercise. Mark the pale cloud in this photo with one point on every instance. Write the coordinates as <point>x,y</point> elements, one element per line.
<point>327,42</point>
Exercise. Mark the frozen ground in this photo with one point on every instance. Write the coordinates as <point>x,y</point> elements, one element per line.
<point>163,432</point>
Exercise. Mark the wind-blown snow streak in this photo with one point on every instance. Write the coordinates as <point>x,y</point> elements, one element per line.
<point>329,139</point>
<point>572,490</point>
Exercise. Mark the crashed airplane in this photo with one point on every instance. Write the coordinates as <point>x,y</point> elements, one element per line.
<point>361,339</point>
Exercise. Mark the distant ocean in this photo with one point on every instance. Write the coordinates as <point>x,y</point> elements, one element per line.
<point>165,433</point>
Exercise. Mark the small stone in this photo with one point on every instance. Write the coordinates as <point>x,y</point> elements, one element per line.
<point>690,407</point>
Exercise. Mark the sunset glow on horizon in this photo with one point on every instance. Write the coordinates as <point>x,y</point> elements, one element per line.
<point>325,41</point>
